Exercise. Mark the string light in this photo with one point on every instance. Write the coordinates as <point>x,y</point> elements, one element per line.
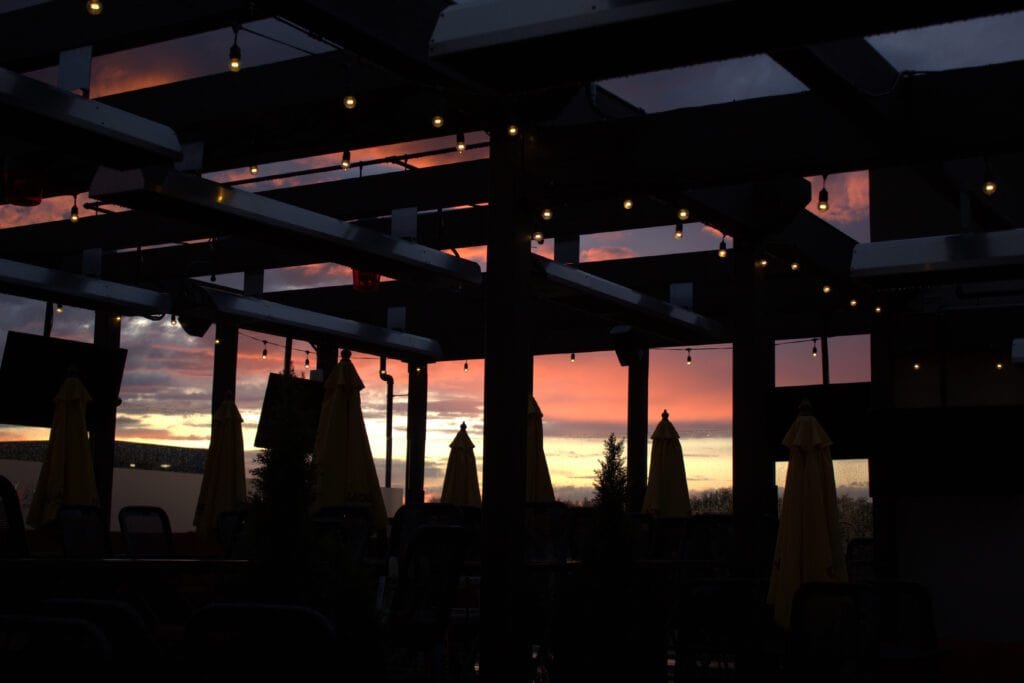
<point>878,309</point>
<point>538,236</point>
<point>627,203</point>
<point>547,214</point>
<point>826,289</point>
<point>689,357</point>
<point>465,366</point>
<point>513,130</point>
<point>174,320</point>
<point>216,341</point>
<point>235,55</point>
<point>794,266</point>
<point>853,303</point>
<point>74,209</point>
<point>814,348</point>
<point>349,101</point>
<point>823,195</point>
<point>679,230</point>
<point>307,360</point>
<point>254,169</point>
<point>999,366</point>
<point>263,356</point>
<point>117,319</point>
<point>460,142</point>
<point>94,7</point>
<point>346,159</point>
<point>762,262</point>
<point>683,214</point>
<point>572,357</point>
<point>437,121</point>
<point>722,251</point>
<point>60,308</point>
<point>917,366</point>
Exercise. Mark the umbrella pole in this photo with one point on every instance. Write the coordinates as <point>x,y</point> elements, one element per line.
<point>389,418</point>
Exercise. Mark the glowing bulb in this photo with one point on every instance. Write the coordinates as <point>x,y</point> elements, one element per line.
<point>216,341</point>
<point>853,303</point>
<point>60,308</point>
<point>814,349</point>
<point>263,356</point>
<point>346,159</point>
<point>826,289</point>
<point>572,357</point>
<point>722,252</point>
<point>117,319</point>
<point>465,366</point>
<point>460,143</point>
<point>999,366</point>
<point>689,358</point>
<point>307,360</point>
<point>235,58</point>
<point>94,7</point>
<point>174,320</point>
<point>538,236</point>
<point>349,101</point>
<point>254,169</point>
<point>418,369</point>
<point>684,214</point>
<point>794,266</point>
<point>679,230</point>
<point>823,200</point>
<point>878,309</point>
<point>627,203</point>
<point>989,187</point>
<point>513,130</point>
<point>74,214</point>
<point>917,366</point>
<point>546,214</point>
<point>763,262</point>
<point>438,121</point>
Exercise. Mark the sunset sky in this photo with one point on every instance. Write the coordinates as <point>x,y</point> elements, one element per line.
<point>166,389</point>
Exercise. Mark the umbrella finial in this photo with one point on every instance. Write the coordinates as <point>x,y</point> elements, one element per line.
<point>805,408</point>
<point>346,354</point>
<point>664,414</point>
<point>463,427</point>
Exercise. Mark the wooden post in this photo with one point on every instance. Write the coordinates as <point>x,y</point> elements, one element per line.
<point>416,433</point>
<point>102,433</point>
<point>637,430</point>
<point>225,363</point>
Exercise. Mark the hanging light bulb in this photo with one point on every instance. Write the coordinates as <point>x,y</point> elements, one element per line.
<point>917,366</point>
<point>689,357</point>
<point>683,214</point>
<point>722,251</point>
<point>460,143</point>
<point>307,360</point>
<point>254,169</point>
<point>762,262</point>
<point>60,308</point>
<point>794,266</point>
<point>465,366</point>
<point>878,309</point>
<point>174,320</point>
<point>853,303</point>
<point>438,121</point>
<point>572,357</point>
<point>538,236</point>
<point>999,365</point>
<point>513,130</point>
<point>216,341</point>
<point>627,203</point>
<point>349,101</point>
<point>823,195</point>
<point>94,7</point>
<point>546,214</point>
<point>679,230</point>
<point>346,159</point>
<point>814,349</point>
<point>989,187</point>
<point>117,319</point>
<point>826,289</point>
<point>74,210</point>
<point>235,55</point>
<point>263,356</point>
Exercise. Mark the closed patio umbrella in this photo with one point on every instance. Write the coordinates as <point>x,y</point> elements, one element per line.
<point>808,546</point>
<point>461,486</point>
<point>667,492</point>
<point>223,486</point>
<point>341,452</point>
<point>67,476</point>
<point>538,479</point>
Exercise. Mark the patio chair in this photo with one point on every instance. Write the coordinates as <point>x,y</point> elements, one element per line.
<point>412,516</point>
<point>28,642</point>
<point>83,532</point>
<point>13,541</point>
<point>146,531</point>
<point>133,647</point>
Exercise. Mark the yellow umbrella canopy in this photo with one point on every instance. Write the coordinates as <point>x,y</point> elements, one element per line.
<point>538,479</point>
<point>461,486</point>
<point>67,476</point>
<point>223,487</point>
<point>808,546</point>
<point>667,492</point>
<point>341,453</point>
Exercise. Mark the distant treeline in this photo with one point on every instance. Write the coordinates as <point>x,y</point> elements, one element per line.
<point>143,456</point>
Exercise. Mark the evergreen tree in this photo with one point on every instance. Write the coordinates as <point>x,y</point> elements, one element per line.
<point>610,485</point>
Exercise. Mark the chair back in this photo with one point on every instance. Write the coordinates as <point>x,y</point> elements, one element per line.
<point>428,580</point>
<point>412,516</point>
<point>548,532</point>
<point>146,531</point>
<point>345,529</point>
<point>13,541</point>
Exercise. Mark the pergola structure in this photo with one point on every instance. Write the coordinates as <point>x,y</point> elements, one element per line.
<point>941,277</point>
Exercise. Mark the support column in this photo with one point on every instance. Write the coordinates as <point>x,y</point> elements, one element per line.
<point>755,499</point>
<point>326,358</point>
<point>416,433</point>
<point>48,319</point>
<point>287,356</point>
<point>508,384</point>
<point>102,433</point>
<point>637,430</point>
<point>225,363</point>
